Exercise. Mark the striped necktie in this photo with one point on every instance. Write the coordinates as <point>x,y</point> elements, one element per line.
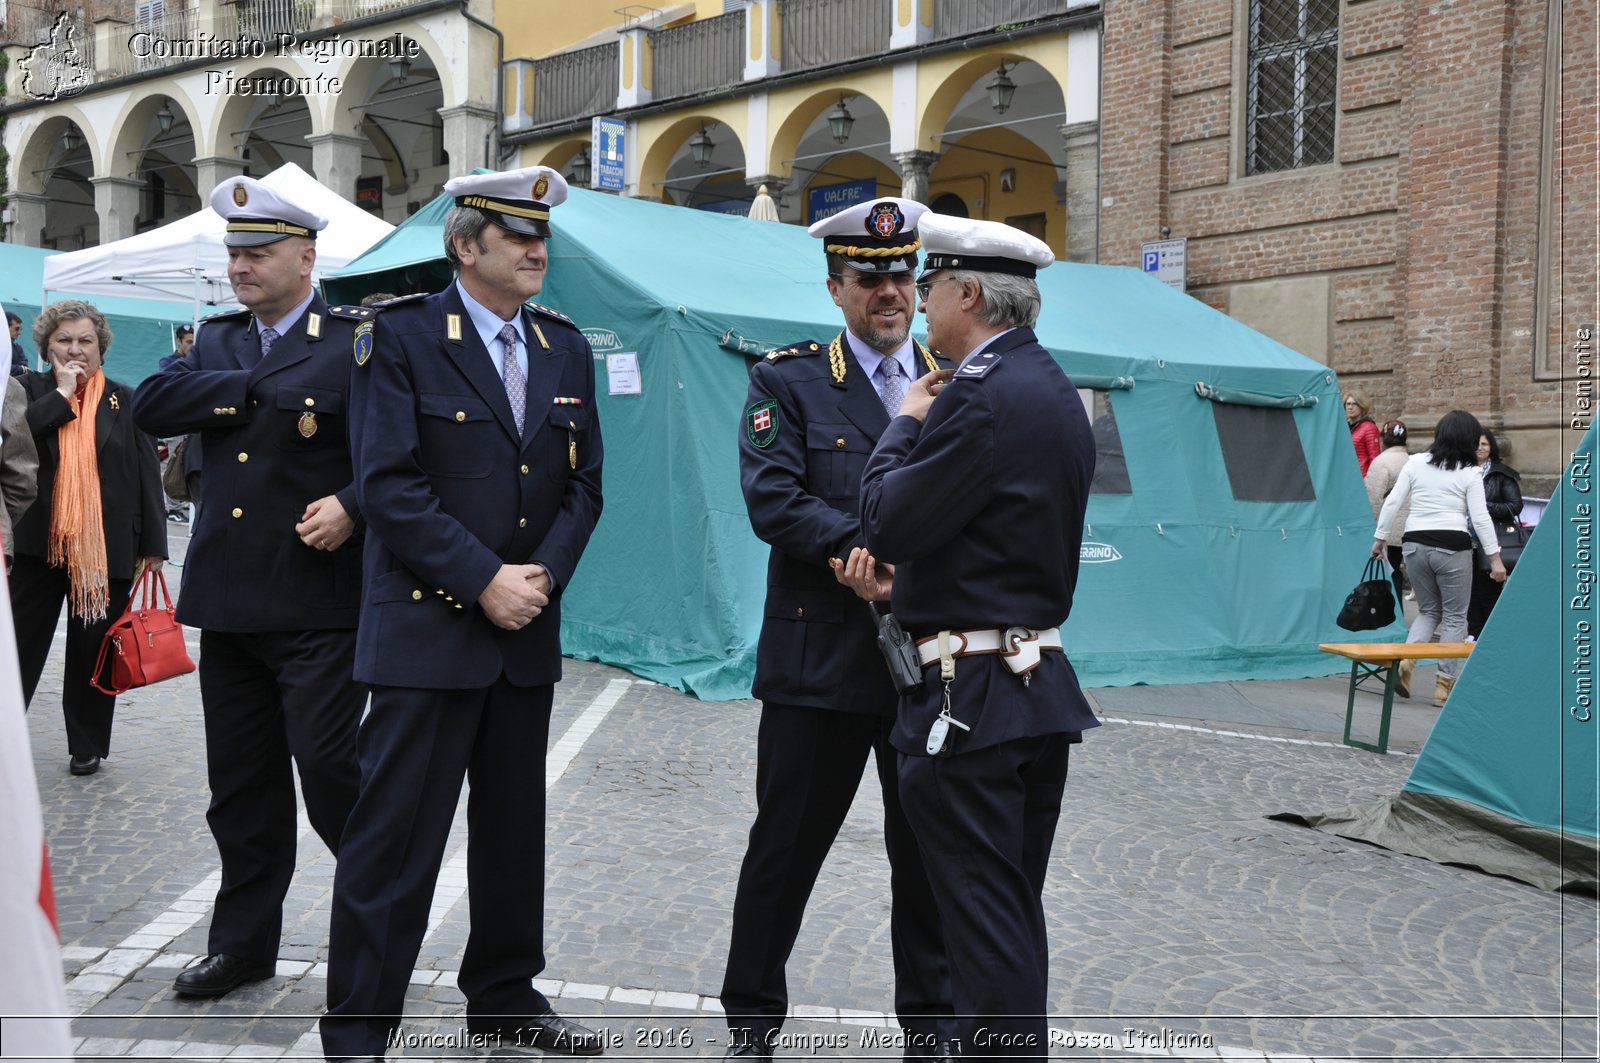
<point>269,336</point>
<point>894,386</point>
<point>516,380</point>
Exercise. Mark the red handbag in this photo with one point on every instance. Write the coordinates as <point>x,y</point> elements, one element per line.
<point>145,644</point>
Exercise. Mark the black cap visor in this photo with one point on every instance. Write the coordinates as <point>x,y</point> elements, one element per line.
<point>258,232</point>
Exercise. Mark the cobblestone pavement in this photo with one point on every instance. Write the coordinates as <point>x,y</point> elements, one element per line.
<point>1183,924</point>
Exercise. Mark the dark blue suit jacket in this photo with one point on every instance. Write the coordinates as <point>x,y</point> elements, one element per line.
<point>801,478</point>
<point>980,508</point>
<point>451,492</point>
<point>275,433</point>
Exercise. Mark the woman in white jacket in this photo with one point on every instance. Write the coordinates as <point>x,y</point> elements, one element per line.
<point>1444,487</point>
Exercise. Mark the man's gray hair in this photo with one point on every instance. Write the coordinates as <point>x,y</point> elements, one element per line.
<point>1008,301</point>
<point>468,223</point>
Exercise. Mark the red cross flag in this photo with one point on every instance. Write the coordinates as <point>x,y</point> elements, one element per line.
<point>33,1003</point>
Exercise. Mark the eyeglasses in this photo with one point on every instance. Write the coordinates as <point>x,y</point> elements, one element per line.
<point>924,287</point>
<point>874,280</point>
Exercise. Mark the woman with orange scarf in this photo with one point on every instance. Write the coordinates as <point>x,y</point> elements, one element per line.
<point>99,514</point>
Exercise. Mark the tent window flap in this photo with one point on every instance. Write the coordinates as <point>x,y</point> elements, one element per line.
<point>1261,449</point>
<point>1110,464</point>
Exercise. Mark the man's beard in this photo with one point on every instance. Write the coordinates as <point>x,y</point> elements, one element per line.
<point>882,338</point>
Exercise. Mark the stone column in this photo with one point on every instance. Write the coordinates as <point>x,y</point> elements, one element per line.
<point>116,200</point>
<point>635,74</point>
<point>775,186</point>
<point>917,27</point>
<point>1082,140</point>
<point>469,136</point>
<point>914,169</point>
<point>761,59</point>
<point>336,162</point>
<point>212,170</point>
<point>27,218</point>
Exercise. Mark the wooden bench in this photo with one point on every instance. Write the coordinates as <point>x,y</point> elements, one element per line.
<point>1381,660</point>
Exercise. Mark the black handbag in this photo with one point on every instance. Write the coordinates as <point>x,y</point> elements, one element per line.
<point>1512,536</point>
<point>1371,604</point>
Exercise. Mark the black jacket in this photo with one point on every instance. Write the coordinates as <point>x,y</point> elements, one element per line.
<point>131,507</point>
<point>1502,491</point>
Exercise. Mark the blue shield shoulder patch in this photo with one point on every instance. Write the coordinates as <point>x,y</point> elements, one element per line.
<point>363,342</point>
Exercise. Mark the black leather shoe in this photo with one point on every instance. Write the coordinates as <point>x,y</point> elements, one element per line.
<point>220,973</point>
<point>741,1045</point>
<point>84,765</point>
<point>927,1046</point>
<point>546,1030</point>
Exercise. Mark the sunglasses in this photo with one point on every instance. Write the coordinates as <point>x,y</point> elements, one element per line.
<point>925,287</point>
<point>874,280</point>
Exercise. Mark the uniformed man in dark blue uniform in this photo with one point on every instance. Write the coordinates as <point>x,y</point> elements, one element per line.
<point>975,496</point>
<point>478,454</point>
<point>273,575</point>
<point>814,413</point>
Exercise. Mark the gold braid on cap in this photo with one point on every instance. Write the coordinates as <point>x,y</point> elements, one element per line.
<point>851,251</point>
<point>927,355</point>
<point>836,358</point>
<point>286,228</point>
<point>485,203</point>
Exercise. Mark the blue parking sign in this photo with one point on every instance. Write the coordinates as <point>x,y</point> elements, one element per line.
<point>1152,261</point>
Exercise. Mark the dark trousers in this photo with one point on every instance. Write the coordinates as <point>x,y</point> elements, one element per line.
<point>1397,575</point>
<point>415,747</point>
<point>985,821</point>
<point>808,765</point>
<point>270,697</point>
<point>1485,593</point>
<point>37,591</point>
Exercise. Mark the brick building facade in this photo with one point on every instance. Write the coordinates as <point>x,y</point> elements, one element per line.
<point>1443,256</point>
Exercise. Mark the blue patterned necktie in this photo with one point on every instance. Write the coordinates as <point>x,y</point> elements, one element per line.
<point>516,379</point>
<point>269,336</point>
<point>894,386</point>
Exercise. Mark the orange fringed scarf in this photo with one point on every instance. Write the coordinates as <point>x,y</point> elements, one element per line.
<point>77,527</point>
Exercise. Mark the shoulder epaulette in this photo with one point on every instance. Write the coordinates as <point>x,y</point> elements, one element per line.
<point>539,308</point>
<point>399,300</point>
<point>350,313</point>
<point>803,347</point>
<point>975,369</point>
<point>221,314</point>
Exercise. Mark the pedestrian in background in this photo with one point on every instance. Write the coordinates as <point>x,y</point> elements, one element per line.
<point>19,465</point>
<point>97,521</point>
<point>814,412</point>
<point>1502,494</point>
<point>975,495</point>
<point>478,453</point>
<point>272,576</point>
<point>19,357</point>
<point>1445,488</point>
<point>1380,480</point>
<point>1363,432</point>
<point>184,450</point>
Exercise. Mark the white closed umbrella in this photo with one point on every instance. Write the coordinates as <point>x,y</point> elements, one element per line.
<point>762,208</point>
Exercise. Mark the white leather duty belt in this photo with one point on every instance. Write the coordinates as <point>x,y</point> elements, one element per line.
<point>1020,645</point>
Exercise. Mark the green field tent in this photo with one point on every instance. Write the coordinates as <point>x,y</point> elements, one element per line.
<point>142,330</point>
<point>1507,781</point>
<point>1226,538</point>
